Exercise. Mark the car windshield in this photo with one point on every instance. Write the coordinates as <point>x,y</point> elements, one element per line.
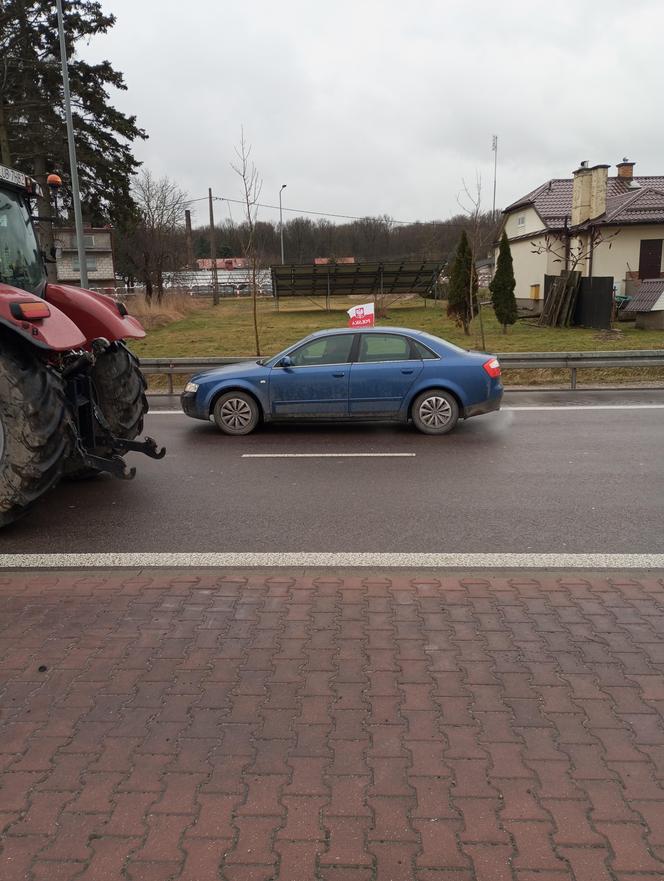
<point>20,259</point>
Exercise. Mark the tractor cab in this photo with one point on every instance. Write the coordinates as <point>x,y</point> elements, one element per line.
<point>21,260</point>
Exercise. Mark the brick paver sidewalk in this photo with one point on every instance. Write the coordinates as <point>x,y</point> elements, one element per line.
<point>210,726</point>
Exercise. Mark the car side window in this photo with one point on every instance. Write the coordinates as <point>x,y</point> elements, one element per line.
<point>327,350</point>
<point>423,352</point>
<point>384,347</point>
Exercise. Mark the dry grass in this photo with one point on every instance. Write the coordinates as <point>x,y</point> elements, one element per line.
<point>155,314</point>
<point>199,329</point>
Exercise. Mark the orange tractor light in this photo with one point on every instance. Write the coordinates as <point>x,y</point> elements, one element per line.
<point>29,311</point>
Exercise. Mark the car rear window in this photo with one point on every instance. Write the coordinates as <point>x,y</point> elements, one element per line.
<point>423,352</point>
<point>384,347</point>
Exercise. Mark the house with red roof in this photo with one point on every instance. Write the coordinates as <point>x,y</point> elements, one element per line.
<point>596,223</point>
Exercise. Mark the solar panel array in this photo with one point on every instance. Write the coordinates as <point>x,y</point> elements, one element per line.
<point>355,279</point>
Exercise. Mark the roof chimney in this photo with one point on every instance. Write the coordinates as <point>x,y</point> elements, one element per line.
<point>598,180</point>
<point>581,194</point>
<point>625,168</point>
<point>588,192</point>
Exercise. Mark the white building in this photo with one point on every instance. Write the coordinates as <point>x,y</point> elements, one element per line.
<point>98,256</point>
<point>616,223</point>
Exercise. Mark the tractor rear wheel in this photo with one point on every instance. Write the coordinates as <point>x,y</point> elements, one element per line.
<point>35,430</point>
<point>119,389</point>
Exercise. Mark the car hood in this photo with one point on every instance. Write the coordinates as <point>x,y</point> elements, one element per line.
<point>230,371</point>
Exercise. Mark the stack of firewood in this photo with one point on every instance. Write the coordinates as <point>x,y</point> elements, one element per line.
<point>559,305</point>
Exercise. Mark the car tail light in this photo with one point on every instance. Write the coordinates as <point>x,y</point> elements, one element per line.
<point>492,367</point>
<point>29,311</point>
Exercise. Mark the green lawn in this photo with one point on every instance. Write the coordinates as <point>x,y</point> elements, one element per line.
<point>227,330</point>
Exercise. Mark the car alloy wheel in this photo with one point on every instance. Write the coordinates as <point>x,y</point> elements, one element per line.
<point>435,412</point>
<point>236,413</point>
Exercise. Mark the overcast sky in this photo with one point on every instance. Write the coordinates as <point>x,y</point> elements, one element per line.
<point>365,107</point>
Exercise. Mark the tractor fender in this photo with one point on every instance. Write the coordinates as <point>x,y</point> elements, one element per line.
<point>56,332</point>
<point>95,314</point>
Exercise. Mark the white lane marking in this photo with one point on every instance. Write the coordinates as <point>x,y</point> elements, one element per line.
<point>534,408</point>
<point>588,407</point>
<point>342,560</point>
<point>326,455</point>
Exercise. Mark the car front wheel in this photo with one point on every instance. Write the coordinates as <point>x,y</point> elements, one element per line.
<point>435,412</point>
<point>236,413</point>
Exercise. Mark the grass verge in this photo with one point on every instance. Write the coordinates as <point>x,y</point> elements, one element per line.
<point>198,328</point>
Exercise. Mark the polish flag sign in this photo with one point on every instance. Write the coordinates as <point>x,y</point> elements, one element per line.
<point>361,316</point>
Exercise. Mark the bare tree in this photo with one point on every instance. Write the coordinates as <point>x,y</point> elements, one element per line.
<point>154,240</point>
<point>573,248</point>
<point>252,184</point>
<point>479,235</point>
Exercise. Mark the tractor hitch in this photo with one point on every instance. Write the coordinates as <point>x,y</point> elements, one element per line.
<point>148,447</point>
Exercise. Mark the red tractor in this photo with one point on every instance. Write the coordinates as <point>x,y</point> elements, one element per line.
<point>72,395</point>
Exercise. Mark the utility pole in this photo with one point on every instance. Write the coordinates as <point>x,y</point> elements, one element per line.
<point>495,168</point>
<point>73,167</point>
<point>213,255</point>
<point>188,239</point>
<point>281,224</point>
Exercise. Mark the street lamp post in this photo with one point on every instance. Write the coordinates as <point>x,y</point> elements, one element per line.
<point>76,197</point>
<point>494,147</point>
<point>281,224</point>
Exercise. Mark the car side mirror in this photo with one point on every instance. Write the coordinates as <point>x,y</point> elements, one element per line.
<point>286,361</point>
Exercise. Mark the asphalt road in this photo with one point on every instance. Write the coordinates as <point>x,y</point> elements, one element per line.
<point>562,479</point>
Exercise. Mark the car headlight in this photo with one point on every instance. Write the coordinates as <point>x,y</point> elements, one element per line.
<point>191,387</point>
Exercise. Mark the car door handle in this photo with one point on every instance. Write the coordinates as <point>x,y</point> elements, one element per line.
<point>338,375</point>
<point>406,371</point>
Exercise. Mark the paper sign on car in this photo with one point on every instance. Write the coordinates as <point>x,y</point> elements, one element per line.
<point>361,316</point>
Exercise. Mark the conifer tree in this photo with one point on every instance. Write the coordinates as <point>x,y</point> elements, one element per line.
<point>463,285</point>
<point>502,286</point>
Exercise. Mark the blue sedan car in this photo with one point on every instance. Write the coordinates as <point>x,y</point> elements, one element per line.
<point>391,374</point>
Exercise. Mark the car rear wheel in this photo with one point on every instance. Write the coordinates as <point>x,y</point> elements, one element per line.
<point>435,412</point>
<point>236,413</point>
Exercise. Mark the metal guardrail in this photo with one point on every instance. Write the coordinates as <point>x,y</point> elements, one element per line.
<point>571,361</point>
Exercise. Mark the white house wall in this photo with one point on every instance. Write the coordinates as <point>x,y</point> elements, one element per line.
<point>529,269</point>
<point>532,223</point>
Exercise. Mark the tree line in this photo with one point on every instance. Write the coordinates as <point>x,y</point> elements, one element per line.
<point>367,239</point>
<point>146,249</point>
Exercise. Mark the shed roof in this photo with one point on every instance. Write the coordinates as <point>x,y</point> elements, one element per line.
<point>649,297</point>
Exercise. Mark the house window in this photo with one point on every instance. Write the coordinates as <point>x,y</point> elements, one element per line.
<point>89,241</point>
<point>521,220</point>
<point>90,263</point>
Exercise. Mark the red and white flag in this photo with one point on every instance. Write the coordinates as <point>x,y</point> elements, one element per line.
<point>361,316</point>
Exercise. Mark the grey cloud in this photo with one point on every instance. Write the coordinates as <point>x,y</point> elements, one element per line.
<point>371,107</point>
